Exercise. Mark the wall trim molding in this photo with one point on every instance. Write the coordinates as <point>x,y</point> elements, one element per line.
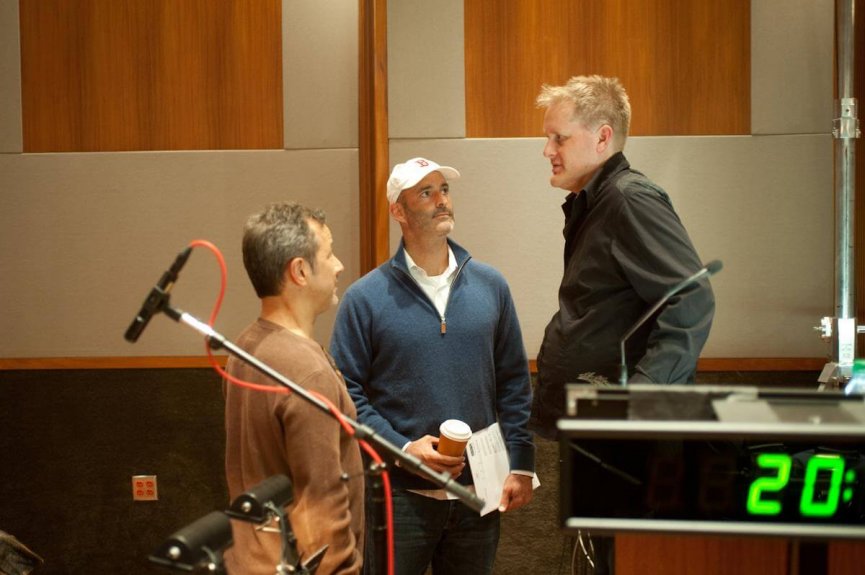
<point>373,146</point>
<point>761,363</point>
<point>713,364</point>
<point>143,362</point>
<point>708,364</point>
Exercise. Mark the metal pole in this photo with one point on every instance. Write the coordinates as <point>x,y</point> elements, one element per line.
<point>842,328</point>
<point>846,131</point>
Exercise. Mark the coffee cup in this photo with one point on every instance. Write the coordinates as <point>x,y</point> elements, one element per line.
<point>453,437</point>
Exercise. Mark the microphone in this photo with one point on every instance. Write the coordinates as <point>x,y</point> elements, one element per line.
<point>709,269</point>
<point>156,298</point>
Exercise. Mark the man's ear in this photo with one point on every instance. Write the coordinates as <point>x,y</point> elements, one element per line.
<point>605,137</point>
<point>296,271</point>
<point>397,212</point>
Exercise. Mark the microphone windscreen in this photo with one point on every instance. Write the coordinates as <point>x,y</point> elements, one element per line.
<point>714,267</point>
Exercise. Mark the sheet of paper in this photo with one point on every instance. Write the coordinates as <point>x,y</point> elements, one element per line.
<point>488,456</point>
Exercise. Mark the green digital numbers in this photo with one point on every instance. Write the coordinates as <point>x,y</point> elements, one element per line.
<point>818,498</point>
<point>808,504</point>
<point>781,464</point>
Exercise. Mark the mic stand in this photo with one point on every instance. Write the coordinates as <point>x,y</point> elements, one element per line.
<point>623,366</point>
<point>711,268</point>
<point>377,524</point>
<point>291,561</point>
<point>405,460</point>
<point>215,564</point>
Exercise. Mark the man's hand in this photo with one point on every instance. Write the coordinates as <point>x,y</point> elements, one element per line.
<point>516,492</point>
<point>424,449</point>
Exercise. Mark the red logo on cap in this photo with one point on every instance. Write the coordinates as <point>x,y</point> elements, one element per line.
<point>422,163</point>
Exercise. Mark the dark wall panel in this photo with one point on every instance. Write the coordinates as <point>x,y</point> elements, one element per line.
<point>71,442</point>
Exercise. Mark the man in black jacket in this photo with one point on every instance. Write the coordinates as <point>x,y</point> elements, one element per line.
<point>624,248</point>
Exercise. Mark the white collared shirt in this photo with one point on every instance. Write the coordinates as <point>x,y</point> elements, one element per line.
<point>437,288</point>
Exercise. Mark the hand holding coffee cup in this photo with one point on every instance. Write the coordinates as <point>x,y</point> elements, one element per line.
<point>453,437</point>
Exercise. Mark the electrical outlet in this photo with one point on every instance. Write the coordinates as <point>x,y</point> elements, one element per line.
<point>144,488</point>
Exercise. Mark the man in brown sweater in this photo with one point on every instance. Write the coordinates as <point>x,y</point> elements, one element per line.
<point>288,255</point>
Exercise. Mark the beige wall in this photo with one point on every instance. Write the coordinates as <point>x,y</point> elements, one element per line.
<point>320,67</point>
<point>791,66</point>
<point>426,71</point>
<point>761,204</point>
<point>84,237</point>
<point>10,79</point>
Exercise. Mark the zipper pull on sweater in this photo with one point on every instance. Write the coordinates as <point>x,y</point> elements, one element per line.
<point>444,329</point>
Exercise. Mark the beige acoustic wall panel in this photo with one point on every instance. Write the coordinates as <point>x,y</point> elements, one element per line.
<point>761,205</point>
<point>426,71</point>
<point>10,79</point>
<point>792,43</point>
<point>319,55</point>
<point>84,237</point>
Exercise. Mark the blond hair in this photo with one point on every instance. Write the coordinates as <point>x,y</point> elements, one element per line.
<point>597,100</point>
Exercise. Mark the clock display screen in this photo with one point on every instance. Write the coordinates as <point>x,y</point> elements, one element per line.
<point>754,480</point>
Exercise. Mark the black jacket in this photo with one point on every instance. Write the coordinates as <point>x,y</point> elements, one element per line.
<point>624,248</point>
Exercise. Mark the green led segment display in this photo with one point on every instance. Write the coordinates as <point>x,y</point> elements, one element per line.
<point>763,481</point>
<point>825,483</point>
<point>779,466</point>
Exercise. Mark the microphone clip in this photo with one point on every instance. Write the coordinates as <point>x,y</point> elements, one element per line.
<point>157,300</point>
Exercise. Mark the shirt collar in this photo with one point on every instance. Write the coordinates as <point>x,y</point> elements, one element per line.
<point>616,163</point>
<point>416,270</point>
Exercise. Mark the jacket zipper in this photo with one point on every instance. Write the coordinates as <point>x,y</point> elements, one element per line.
<point>444,324</point>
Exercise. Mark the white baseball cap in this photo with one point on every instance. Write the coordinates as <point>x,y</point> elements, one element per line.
<point>409,173</point>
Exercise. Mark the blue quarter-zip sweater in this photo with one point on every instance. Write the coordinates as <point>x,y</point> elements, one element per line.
<point>407,369</point>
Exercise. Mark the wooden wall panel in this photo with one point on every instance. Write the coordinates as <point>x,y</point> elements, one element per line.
<point>685,63</point>
<point>115,75</point>
<point>373,128</point>
<point>682,555</point>
<point>846,557</point>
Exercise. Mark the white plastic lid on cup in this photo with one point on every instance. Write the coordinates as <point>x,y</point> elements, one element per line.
<point>456,430</point>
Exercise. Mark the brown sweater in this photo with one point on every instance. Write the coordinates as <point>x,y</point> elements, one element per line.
<point>269,433</point>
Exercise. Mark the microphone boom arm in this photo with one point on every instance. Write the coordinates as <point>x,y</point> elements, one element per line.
<point>361,431</point>
<point>710,269</point>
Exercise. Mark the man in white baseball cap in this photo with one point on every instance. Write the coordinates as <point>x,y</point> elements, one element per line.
<point>409,173</point>
<point>432,335</point>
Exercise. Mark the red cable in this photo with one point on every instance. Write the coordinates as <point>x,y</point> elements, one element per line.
<point>284,390</point>
<point>223,275</point>
<point>388,503</point>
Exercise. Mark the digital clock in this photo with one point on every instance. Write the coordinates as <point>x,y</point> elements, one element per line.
<point>823,484</point>
<point>713,477</point>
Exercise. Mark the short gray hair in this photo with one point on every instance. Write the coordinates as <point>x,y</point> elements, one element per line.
<point>274,237</point>
<point>597,100</point>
